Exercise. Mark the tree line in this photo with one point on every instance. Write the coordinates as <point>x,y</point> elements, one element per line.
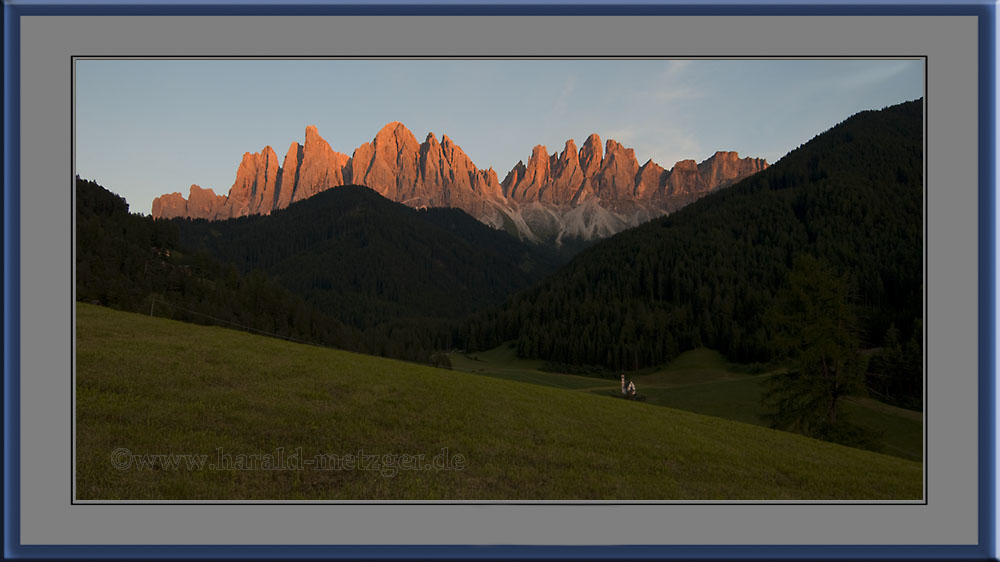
<point>132,262</point>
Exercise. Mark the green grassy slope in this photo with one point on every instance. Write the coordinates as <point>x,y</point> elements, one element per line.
<point>156,386</point>
<point>702,381</point>
<point>503,362</point>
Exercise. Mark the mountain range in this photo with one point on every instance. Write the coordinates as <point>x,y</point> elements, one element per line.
<point>586,194</point>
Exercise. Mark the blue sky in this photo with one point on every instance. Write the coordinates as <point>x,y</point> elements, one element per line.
<point>148,127</point>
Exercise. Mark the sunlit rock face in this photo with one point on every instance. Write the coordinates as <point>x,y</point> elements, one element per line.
<point>591,192</point>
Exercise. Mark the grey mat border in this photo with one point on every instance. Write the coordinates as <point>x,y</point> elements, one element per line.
<point>26,252</point>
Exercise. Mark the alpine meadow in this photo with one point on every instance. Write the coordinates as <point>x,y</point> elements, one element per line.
<point>402,322</point>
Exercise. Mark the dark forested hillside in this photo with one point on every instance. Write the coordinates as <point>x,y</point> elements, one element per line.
<point>706,275</point>
<point>128,261</point>
<point>368,261</point>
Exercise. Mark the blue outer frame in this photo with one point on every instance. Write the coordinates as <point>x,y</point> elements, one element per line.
<point>983,9</point>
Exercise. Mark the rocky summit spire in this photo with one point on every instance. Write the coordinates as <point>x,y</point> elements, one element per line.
<point>320,169</point>
<point>255,185</point>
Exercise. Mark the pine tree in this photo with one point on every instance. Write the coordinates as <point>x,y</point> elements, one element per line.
<point>815,325</point>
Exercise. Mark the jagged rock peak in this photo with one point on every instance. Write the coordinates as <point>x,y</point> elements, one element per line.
<point>169,205</point>
<point>204,203</point>
<point>685,165</point>
<point>591,155</point>
<point>316,168</point>
<point>396,131</point>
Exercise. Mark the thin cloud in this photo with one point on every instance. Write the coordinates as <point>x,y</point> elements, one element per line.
<point>664,145</point>
<point>674,145</point>
<point>674,94</point>
<point>675,67</point>
<point>622,135</point>
<point>562,102</point>
<point>874,75</point>
<point>669,86</point>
